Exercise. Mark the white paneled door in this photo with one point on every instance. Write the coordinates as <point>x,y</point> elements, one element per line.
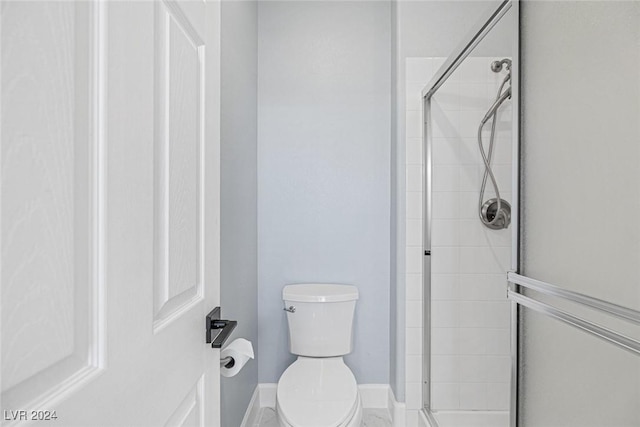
<point>109,206</point>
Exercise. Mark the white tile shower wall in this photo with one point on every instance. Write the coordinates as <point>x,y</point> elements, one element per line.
<point>470,313</point>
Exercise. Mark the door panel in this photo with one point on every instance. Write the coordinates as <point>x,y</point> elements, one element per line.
<point>51,202</point>
<point>109,167</point>
<point>179,142</point>
<point>190,411</point>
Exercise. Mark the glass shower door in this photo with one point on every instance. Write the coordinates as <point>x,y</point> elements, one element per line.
<point>469,112</point>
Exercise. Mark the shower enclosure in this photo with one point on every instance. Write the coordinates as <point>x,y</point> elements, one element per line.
<point>470,143</point>
<point>482,307</point>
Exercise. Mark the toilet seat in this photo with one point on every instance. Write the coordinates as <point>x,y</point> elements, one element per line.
<point>317,392</point>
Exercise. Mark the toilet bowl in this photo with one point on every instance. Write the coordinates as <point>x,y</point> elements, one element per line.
<point>318,392</point>
<point>319,389</point>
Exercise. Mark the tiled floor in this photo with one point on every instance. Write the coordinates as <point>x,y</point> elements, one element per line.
<point>376,418</point>
<point>371,418</point>
<point>267,418</point>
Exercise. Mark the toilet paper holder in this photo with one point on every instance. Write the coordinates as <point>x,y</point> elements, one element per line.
<point>227,362</point>
<point>218,330</point>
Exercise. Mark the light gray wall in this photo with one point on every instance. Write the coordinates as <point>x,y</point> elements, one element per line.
<point>436,28</point>
<point>581,200</point>
<point>324,169</point>
<point>238,216</point>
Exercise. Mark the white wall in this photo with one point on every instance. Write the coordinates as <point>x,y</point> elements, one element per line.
<point>238,150</point>
<point>581,200</point>
<point>324,169</point>
<point>394,366</point>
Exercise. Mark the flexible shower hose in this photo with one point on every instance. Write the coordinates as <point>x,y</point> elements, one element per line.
<point>487,157</point>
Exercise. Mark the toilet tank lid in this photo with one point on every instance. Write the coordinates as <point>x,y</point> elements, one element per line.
<point>319,292</point>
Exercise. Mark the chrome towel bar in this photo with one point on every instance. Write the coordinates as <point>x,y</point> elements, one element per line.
<point>594,303</point>
<point>601,332</point>
<point>599,305</point>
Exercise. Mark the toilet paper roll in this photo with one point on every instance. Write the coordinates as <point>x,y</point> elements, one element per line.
<point>241,350</point>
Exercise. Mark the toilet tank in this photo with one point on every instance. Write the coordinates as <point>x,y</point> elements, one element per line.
<point>320,318</point>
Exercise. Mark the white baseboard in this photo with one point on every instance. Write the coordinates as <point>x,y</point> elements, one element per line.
<point>378,396</point>
<point>423,421</point>
<point>374,395</point>
<point>472,418</point>
<point>253,410</point>
<point>264,396</point>
<point>267,393</point>
<point>396,410</point>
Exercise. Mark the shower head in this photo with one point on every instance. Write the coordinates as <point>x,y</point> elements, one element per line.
<point>496,66</point>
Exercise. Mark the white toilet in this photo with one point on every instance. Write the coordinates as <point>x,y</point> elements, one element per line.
<point>318,389</point>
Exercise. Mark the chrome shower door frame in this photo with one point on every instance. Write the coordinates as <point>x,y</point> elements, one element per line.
<point>474,37</point>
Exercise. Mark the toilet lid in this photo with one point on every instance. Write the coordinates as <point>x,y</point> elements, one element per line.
<point>317,392</point>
